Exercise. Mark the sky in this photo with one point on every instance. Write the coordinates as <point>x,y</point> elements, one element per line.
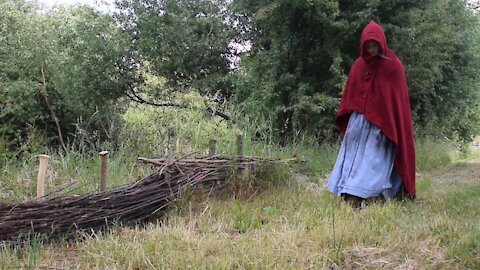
<point>104,5</point>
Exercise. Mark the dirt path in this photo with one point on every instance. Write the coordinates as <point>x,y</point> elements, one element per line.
<point>461,172</point>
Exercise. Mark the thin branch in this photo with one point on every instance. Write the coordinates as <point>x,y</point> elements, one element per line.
<point>136,98</point>
<point>43,93</point>
<point>217,113</point>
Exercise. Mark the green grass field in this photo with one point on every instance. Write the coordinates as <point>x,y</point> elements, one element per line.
<point>291,225</point>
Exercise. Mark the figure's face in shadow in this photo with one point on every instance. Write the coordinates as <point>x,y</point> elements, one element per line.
<point>372,47</point>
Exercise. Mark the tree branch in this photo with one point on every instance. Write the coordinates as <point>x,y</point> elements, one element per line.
<point>43,93</point>
<point>136,98</point>
<point>217,113</point>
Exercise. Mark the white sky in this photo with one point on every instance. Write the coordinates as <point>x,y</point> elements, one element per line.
<point>104,5</point>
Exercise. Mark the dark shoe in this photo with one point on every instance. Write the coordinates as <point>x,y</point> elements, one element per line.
<point>373,200</point>
<point>353,200</point>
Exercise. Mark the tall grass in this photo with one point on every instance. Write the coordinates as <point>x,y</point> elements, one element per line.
<point>433,153</point>
<point>289,228</point>
<point>279,225</point>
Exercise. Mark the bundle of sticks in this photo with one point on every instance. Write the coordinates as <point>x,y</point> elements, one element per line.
<point>65,215</point>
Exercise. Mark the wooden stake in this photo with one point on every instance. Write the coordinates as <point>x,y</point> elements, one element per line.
<point>103,170</point>
<point>42,172</point>
<point>169,151</point>
<point>177,146</point>
<point>213,148</point>
<point>269,151</point>
<point>239,145</point>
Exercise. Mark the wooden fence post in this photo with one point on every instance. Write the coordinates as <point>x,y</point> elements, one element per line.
<point>169,150</point>
<point>239,145</point>
<point>103,170</point>
<point>42,172</point>
<point>213,148</point>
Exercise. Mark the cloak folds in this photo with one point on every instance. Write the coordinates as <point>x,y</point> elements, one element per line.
<point>376,87</point>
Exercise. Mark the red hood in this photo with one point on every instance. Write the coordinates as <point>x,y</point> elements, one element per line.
<point>373,31</point>
<point>376,87</point>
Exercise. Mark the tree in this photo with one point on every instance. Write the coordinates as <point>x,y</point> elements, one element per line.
<point>187,42</point>
<point>302,50</point>
<point>438,42</point>
<point>19,80</point>
<point>59,66</point>
<point>294,67</point>
<point>90,65</point>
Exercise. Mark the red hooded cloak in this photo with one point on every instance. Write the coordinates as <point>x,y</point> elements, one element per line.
<point>376,87</point>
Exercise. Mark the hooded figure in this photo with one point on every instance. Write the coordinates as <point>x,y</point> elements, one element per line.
<point>377,155</point>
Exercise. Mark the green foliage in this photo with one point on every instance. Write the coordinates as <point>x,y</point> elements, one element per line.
<point>302,50</point>
<point>186,41</point>
<point>242,220</point>
<point>4,152</point>
<point>245,219</point>
<point>87,72</point>
<point>33,144</point>
<point>58,65</point>
<point>72,64</point>
<point>292,73</point>
<point>19,105</point>
<point>144,129</point>
<point>438,42</point>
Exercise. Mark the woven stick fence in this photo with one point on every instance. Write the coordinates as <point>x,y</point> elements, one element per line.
<point>65,215</point>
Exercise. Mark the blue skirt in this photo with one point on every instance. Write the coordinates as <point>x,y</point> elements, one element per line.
<point>364,165</point>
